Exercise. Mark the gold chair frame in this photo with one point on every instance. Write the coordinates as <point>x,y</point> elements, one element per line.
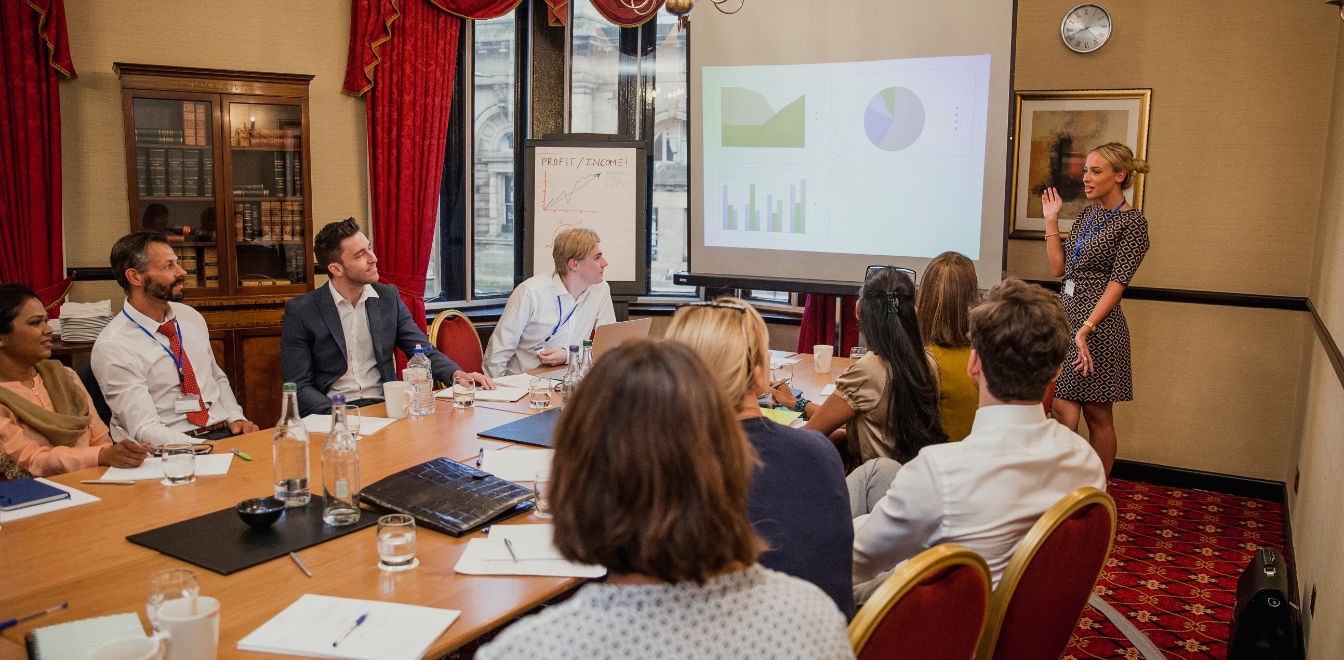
<point>905,578</point>
<point>440,319</point>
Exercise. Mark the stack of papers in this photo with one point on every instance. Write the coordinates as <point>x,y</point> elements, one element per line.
<point>390,631</point>
<point>211,465</point>
<point>318,423</point>
<point>500,393</point>
<point>81,322</point>
<point>517,464</point>
<point>533,548</point>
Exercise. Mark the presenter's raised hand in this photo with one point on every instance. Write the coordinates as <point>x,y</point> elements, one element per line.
<point>1051,203</point>
<point>1084,361</point>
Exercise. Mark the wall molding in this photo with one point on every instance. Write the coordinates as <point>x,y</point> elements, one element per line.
<point>1175,477</point>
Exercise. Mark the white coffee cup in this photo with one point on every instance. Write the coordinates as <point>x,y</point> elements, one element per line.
<point>135,648</point>
<point>821,358</point>
<point>195,636</point>
<point>397,394</point>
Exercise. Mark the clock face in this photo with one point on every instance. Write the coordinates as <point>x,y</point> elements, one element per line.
<point>1085,28</point>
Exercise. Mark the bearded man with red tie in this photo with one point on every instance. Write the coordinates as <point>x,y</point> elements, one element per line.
<point>153,362</point>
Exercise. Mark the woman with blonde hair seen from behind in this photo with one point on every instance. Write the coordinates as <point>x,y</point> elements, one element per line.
<point>1097,261</point>
<point>650,480</point>
<point>798,500</point>
<point>944,306</point>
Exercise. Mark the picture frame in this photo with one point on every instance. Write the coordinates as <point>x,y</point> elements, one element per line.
<point>1055,130</point>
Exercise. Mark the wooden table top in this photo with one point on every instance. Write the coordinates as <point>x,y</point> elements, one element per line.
<point>81,555</point>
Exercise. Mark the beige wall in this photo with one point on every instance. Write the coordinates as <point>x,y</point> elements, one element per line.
<point>298,36</point>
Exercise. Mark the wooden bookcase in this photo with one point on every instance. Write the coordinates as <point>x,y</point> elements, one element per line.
<point>219,160</point>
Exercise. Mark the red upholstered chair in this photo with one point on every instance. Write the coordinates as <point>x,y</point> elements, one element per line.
<point>1049,400</point>
<point>1038,600</point>
<point>932,608</point>
<point>455,336</point>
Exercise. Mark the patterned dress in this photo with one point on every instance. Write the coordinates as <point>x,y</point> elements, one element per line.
<point>1112,254</point>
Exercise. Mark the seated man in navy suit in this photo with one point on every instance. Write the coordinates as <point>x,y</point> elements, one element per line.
<point>339,339</point>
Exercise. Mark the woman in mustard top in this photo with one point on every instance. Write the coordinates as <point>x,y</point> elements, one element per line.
<point>943,307</point>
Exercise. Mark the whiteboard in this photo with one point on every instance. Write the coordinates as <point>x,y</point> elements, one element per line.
<point>597,186</point>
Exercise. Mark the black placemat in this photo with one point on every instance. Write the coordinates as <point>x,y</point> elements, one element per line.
<point>223,543</point>
<point>531,430</point>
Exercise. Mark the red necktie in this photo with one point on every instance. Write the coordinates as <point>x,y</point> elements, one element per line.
<point>189,386</point>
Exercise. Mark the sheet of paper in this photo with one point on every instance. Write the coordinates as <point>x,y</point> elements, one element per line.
<point>536,555</point>
<point>784,417</point>
<point>210,465</point>
<point>516,380</point>
<point>77,497</point>
<point>501,393</point>
<point>780,355</point>
<point>517,464</point>
<point>776,363</point>
<point>318,423</point>
<point>391,631</point>
<point>828,390</point>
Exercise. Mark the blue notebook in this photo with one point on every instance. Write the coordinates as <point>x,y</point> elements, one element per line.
<point>21,493</point>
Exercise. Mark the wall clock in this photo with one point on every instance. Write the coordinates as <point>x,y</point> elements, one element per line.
<point>1085,28</point>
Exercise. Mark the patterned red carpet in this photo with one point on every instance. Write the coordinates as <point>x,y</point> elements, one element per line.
<point>1173,570</point>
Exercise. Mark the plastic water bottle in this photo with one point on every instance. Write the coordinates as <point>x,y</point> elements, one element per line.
<point>289,451</point>
<point>572,376</point>
<point>340,470</point>
<point>419,374</point>
<point>586,358</point>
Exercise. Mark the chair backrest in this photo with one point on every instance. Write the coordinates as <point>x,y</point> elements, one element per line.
<point>455,336</point>
<point>100,406</point>
<point>932,608</point>
<point>1036,605</point>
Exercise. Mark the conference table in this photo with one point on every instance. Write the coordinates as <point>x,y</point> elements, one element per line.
<point>81,554</point>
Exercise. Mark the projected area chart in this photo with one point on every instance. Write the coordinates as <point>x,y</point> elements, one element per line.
<point>882,157</point>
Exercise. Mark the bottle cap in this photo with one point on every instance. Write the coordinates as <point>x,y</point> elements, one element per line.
<point>573,348</point>
<point>290,387</point>
<point>587,343</point>
<point>418,350</point>
<point>338,400</point>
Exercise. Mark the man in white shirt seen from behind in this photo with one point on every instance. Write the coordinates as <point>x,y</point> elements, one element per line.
<point>153,362</point>
<point>550,312</point>
<point>987,491</point>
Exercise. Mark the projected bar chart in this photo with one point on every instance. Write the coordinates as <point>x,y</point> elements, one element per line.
<point>766,208</point>
<point>761,206</point>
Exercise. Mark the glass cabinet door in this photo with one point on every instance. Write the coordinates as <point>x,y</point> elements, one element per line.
<point>266,150</point>
<point>175,181</point>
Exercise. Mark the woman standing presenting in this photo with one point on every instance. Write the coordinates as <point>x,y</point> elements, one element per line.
<point>1101,255</point>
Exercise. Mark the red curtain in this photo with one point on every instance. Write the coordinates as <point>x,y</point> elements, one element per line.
<point>819,323</point>
<point>33,49</point>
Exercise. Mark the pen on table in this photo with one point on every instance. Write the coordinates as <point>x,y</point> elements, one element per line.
<point>351,629</point>
<point>480,457</point>
<point>110,482</point>
<point>300,563</point>
<point>509,545</point>
<point>15,621</point>
<point>241,454</point>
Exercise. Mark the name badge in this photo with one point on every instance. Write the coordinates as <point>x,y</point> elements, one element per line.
<point>187,404</point>
<point>1068,287</point>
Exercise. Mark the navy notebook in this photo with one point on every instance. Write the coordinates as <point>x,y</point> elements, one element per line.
<point>530,430</point>
<point>21,493</point>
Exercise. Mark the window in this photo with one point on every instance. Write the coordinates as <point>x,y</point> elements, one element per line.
<point>671,199</point>
<point>595,73</point>
<point>492,156</point>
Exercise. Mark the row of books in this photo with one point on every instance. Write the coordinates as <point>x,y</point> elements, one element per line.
<point>289,173</point>
<point>194,131</point>
<point>278,221</point>
<point>174,173</point>
<point>206,273</point>
<point>282,138</point>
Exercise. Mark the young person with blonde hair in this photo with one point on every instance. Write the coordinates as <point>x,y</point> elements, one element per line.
<point>657,494</point>
<point>944,304</point>
<point>798,502</point>
<point>549,312</point>
<point>1097,261</point>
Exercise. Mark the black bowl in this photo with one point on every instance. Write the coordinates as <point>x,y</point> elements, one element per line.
<point>261,512</point>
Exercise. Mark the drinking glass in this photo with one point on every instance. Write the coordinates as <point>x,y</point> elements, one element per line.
<point>179,463</point>
<point>782,373</point>
<point>396,542</point>
<point>352,420</point>
<point>169,585</point>
<point>857,352</point>
<point>464,392</point>
<point>543,488</point>
<point>539,393</point>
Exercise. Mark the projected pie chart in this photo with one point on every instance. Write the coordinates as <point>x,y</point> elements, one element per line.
<point>894,119</point>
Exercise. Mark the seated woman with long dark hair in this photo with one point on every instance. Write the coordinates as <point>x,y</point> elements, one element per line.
<point>650,479</point>
<point>47,423</point>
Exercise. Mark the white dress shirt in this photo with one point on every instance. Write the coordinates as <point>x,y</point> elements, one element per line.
<point>540,315</point>
<point>984,492</point>
<point>139,378</point>
<point>361,379</point>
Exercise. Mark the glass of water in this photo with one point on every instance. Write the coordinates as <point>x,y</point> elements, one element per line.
<point>464,391</point>
<point>179,463</point>
<point>543,489</point>
<point>539,393</point>
<point>396,542</point>
<point>352,420</point>
<point>781,373</point>
<point>857,352</point>
<point>171,584</point>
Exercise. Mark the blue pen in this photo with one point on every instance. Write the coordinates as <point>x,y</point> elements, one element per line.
<point>351,628</point>
<point>15,621</point>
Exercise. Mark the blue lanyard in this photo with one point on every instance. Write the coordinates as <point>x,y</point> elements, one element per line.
<point>1088,234</point>
<point>176,359</point>
<point>560,324</point>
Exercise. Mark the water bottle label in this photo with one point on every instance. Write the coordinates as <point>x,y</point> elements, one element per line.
<point>342,489</point>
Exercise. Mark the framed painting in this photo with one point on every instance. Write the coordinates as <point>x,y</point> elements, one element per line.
<point>1055,132</point>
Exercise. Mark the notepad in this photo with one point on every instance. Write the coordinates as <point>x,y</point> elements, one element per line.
<point>533,546</point>
<point>75,640</point>
<point>23,493</point>
<point>784,417</point>
<point>77,497</point>
<point>517,464</point>
<point>828,390</point>
<point>318,423</point>
<point>501,393</point>
<point>210,465</point>
<point>392,631</point>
